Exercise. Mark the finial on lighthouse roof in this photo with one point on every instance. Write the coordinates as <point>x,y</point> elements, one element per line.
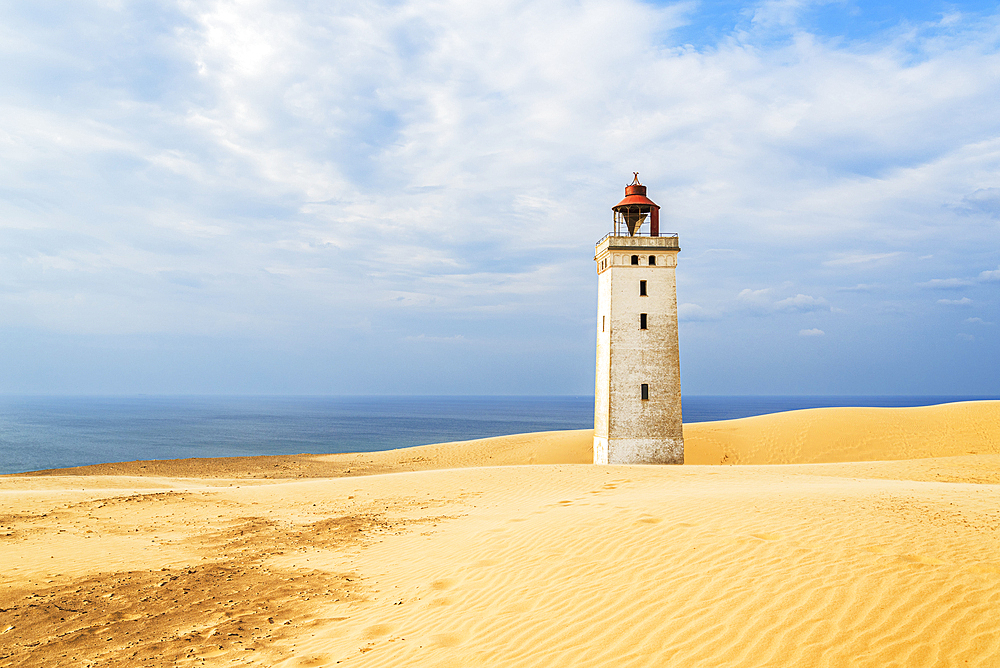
<point>635,188</point>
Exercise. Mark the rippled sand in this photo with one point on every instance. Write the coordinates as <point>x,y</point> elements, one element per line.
<point>463,554</point>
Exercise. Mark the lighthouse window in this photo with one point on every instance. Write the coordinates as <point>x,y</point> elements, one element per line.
<point>642,288</point>
<point>642,321</point>
<point>645,392</point>
<point>602,323</point>
<point>652,260</point>
<point>635,259</point>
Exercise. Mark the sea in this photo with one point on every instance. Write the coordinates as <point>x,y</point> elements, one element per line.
<point>38,433</point>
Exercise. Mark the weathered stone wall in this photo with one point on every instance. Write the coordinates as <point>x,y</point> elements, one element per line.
<point>603,384</point>
<point>628,429</point>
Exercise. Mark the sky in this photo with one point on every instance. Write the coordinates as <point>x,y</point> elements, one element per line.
<point>403,197</point>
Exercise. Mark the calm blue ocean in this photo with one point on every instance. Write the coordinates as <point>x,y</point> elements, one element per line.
<point>54,432</point>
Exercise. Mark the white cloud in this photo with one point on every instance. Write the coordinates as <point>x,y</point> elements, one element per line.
<point>761,297</point>
<point>945,283</point>
<point>955,302</point>
<point>990,276</point>
<point>811,332</point>
<point>958,283</point>
<point>764,302</point>
<point>802,303</point>
<point>860,258</point>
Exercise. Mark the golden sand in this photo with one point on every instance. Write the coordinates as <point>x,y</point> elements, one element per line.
<point>462,555</point>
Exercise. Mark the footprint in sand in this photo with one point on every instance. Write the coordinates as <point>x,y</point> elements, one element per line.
<point>442,584</point>
<point>648,520</point>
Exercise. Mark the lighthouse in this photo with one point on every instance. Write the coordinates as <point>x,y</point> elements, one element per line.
<point>637,395</point>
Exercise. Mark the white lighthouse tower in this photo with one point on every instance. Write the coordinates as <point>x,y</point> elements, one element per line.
<point>637,402</point>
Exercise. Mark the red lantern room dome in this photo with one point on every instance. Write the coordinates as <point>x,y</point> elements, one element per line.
<point>635,208</point>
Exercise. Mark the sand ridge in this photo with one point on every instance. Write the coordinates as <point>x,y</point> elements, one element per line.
<point>547,447</point>
<point>870,563</point>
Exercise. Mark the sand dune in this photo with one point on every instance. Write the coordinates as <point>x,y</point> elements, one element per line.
<point>546,447</point>
<point>870,563</point>
<point>847,435</point>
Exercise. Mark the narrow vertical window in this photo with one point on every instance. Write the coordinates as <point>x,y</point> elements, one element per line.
<point>642,321</point>
<point>642,288</point>
<point>652,260</point>
<point>645,392</point>
<point>602,323</point>
<point>635,259</point>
